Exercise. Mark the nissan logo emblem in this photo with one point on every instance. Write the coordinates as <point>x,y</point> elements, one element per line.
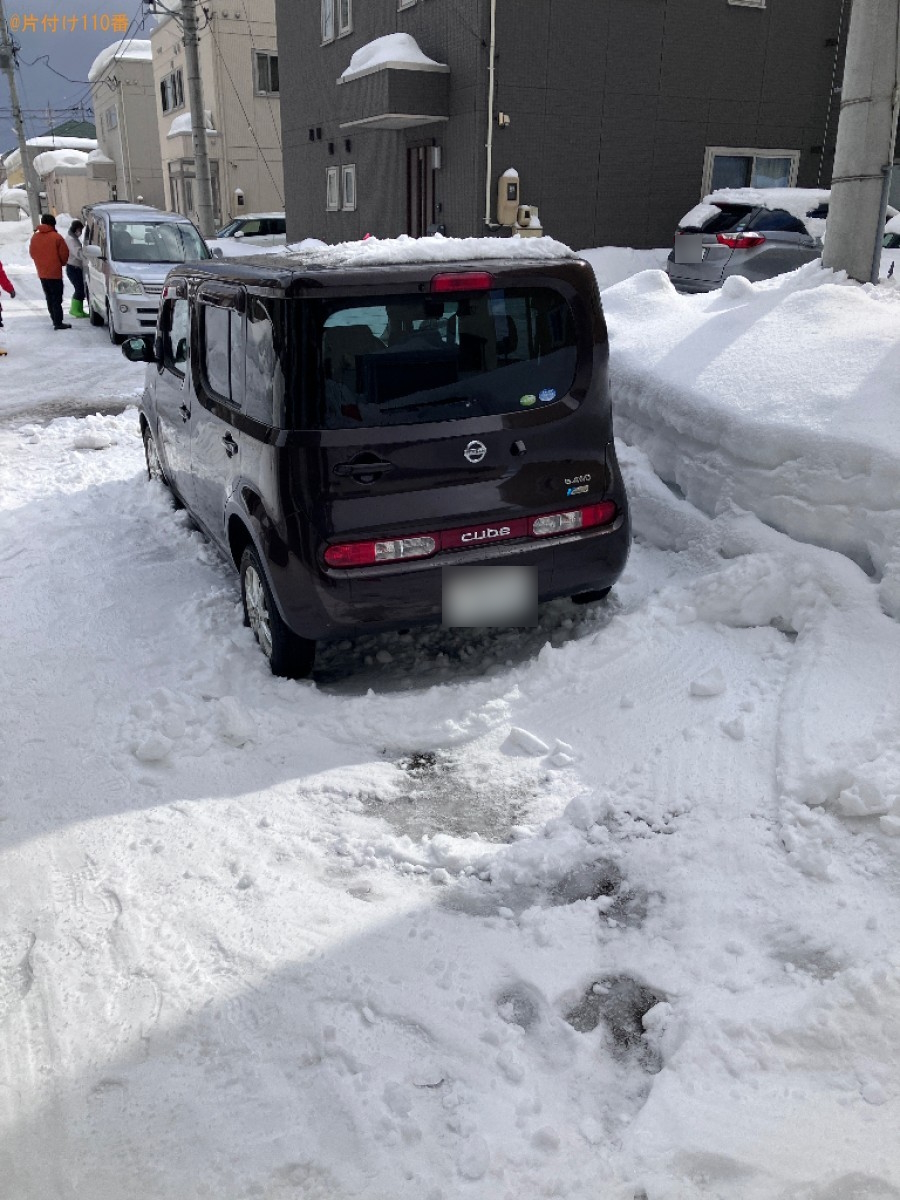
<point>475,452</point>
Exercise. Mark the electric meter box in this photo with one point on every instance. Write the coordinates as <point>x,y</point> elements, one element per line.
<point>507,198</point>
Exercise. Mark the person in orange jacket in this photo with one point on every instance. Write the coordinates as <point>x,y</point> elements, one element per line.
<point>50,254</point>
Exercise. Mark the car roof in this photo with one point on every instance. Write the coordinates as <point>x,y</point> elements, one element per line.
<point>256,216</point>
<point>138,212</point>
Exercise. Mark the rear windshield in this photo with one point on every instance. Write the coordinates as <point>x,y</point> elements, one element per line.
<point>725,220</point>
<point>398,360</point>
<point>156,242</point>
<point>737,218</point>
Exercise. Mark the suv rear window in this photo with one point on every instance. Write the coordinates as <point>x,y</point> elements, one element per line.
<point>729,218</point>
<point>399,360</point>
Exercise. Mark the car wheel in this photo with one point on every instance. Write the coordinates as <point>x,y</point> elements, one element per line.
<point>590,597</point>
<point>289,655</point>
<point>95,317</point>
<point>116,338</point>
<point>154,466</point>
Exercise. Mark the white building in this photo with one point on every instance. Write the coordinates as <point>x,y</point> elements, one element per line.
<point>123,97</point>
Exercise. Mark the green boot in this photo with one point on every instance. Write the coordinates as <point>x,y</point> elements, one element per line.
<point>76,309</point>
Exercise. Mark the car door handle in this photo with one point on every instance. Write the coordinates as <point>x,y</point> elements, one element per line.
<point>185,412</point>
<point>364,467</point>
<point>231,446</point>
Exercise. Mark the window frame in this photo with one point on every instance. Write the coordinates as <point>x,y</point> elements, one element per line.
<point>268,90</point>
<point>171,87</point>
<point>327,14</point>
<point>332,185</point>
<point>712,152</point>
<point>233,302</point>
<point>348,171</point>
<point>401,4</point>
<point>169,363</point>
<point>343,28</point>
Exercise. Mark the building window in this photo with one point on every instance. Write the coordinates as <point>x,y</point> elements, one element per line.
<point>331,189</point>
<point>171,91</point>
<point>181,185</point>
<point>110,118</point>
<point>733,168</point>
<point>348,188</point>
<point>327,20</point>
<point>345,17</point>
<point>266,74</point>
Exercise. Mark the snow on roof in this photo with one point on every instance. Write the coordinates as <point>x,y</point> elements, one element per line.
<point>509,173</point>
<point>49,141</point>
<point>14,197</point>
<point>97,156</point>
<point>132,49</point>
<point>404,249</point>
<point>398,50</point>
<point>182,124</point>
<point>65,161</point>
<point>799,202</point>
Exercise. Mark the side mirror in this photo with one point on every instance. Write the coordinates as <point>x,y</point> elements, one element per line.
<point>139,349</point>
<point>240,233</point>
<point>217,252</point>
<point>92,251</point>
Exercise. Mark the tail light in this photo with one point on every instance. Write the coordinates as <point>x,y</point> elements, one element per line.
<point>371,553</point>
<point>462,281</point>
<point>740,241</point>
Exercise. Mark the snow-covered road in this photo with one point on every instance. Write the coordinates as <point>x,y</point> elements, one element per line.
<point>393,933</point>
<point>608,910</point>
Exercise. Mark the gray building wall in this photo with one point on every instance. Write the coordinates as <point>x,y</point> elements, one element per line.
<point>612,105</point>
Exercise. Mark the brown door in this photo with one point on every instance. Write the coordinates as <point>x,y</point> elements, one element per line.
<point>419,190</point>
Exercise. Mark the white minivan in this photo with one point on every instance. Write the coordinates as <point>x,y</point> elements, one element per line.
<point>129,250</point>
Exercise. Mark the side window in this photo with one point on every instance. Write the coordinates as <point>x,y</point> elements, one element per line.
<point>223,353</point>
<point>264,381</point>
<point>777,219</point>
<point>175,332</point>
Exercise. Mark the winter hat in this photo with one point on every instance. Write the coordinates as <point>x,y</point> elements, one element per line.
<point>48,219</point>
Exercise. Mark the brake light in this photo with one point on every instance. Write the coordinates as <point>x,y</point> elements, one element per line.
<point>369,554</point>
<point>740,241</point>
<point>462,281</point>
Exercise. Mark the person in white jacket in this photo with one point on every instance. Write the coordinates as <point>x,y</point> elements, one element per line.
<point>75,268</point>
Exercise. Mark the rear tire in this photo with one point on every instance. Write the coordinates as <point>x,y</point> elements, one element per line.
<point>590,597</point>
<point>289,656</point>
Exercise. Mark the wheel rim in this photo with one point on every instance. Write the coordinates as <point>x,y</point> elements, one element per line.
<point>257,609</point>
<point>154,466</point>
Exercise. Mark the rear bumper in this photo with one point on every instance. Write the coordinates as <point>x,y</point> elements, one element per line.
<point>331,604</point>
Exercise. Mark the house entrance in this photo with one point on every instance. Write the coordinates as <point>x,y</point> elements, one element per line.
<point>419,189</point>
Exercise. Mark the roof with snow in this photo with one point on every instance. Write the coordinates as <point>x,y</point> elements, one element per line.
<point>398,50</point>
<point>129,49</point>
<point>66,162</point>
<point>50,142</point>
<point>182,124</point>
<point>372,252</point>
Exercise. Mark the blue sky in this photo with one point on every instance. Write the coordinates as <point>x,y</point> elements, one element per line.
<point>69,52</point>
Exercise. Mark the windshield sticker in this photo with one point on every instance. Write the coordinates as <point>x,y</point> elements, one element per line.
<point>577,491</point>
<point>547,396</point>
<point>528,401</point>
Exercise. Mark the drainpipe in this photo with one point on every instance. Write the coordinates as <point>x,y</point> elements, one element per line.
<point>490,124</point>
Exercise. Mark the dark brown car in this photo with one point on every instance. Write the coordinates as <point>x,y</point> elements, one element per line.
<point>352,436</point>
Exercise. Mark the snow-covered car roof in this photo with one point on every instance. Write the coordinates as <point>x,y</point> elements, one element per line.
<point>380,252</point>
<point>799,202</point>
<point>893,225</point>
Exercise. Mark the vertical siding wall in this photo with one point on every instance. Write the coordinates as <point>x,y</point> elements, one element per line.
<point>612,104</point>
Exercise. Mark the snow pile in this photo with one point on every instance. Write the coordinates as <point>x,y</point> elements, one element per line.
<point>130,49</point>
<point>374,251</point>
<point>182,124</point>
<point>14,197</point>
<point>66,162</point>
<point>398,50</point>
<point>97,156</point>
<point>778,397</point>
<point>13,160</point>
<point>612,264</point>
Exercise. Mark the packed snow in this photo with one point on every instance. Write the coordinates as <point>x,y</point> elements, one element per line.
<point>134,49</point>
<point>182,124</point>
<point>64,161</point>
<point>373,251</point>
<point>398,50</point>
<point>606,908</point>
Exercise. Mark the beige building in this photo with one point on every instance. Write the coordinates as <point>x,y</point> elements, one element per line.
<point>122,95</point>
<point>239,73</point>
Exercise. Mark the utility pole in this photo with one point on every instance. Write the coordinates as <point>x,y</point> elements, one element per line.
<point>202,181</point>
<point>8,63</point>
<point>867,129</point>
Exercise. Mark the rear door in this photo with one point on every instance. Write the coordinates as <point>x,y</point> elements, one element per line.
<point>698,258</point>
<point>219,385</point>
<point>459,409</point>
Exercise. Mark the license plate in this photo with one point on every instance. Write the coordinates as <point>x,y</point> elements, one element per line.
<point>688,248</point>
<point>480,596</point>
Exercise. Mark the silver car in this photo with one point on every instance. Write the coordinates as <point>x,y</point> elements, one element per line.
<point>752,236</point>
<point>129,250</point>
<point>258,229</point>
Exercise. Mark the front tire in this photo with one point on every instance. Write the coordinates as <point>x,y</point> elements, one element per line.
<point>289,656</point>
<point>116,338</point>
<point>96,319</point>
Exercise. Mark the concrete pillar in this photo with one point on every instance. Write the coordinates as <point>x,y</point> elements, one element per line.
<point>865,138</point>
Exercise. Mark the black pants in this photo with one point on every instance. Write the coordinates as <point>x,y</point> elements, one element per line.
<point>76,278</point>
<point>53,289</point>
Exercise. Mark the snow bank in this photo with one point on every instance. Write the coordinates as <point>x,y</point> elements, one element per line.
<point>398,50</point>
<point>612,264</point>
<point>404,249</point>
<point>134,49</point>
<point>778,397</point>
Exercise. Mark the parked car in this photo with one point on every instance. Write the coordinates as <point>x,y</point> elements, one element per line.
<point>890,257</point>
<point>258,229</point>
<point>348,436</point>
<point>128,251</point>
<point>754,232</point>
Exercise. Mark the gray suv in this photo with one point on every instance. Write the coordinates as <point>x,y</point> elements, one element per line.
<point>724,237</point>
<point>129,250</point>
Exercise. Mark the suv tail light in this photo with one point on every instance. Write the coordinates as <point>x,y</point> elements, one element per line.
<point>423,545</point>
<point>462,281</point>
<point>740,241</point>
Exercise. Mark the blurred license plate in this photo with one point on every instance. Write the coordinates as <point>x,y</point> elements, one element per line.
<point>475,597</point>
<point>688,248</point>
